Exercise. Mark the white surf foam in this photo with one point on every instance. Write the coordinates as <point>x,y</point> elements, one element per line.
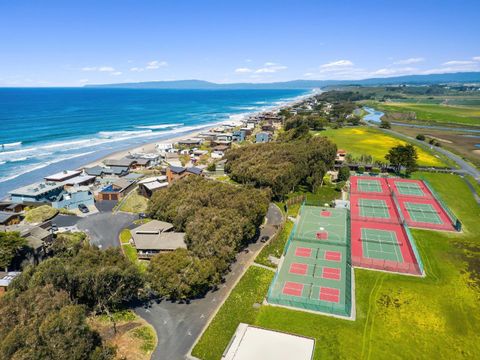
<point>160,126</point>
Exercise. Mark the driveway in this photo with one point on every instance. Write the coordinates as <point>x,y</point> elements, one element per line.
<point>103,227</point>
<point>179,325</point>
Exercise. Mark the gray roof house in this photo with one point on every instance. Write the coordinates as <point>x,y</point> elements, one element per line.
<point>155,237</point>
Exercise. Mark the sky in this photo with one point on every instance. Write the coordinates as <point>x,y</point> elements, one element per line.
<point>73,43</point>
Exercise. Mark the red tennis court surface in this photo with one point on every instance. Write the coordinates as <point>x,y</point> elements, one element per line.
<point>329,294</point>
<point>446,223</point>
<point>333,256</point>
<point>355,208</point>
<point>357,188</point>
<point>326,213</point>
<point>303,252</point>
<point>322,235</point>
<point>299,269</point>
<point>392,183</point>
<point>331,273</point>
<point>293,288</point>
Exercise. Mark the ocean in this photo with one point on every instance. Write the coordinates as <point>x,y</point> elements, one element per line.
<point>46,130</point>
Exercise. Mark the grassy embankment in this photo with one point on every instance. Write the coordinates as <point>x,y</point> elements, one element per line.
<point>135,338</point>
<point>134,203</point>
<point>40,214</point>
<point>364,140</point>
<point>436,113</point>
<point>398,316</point>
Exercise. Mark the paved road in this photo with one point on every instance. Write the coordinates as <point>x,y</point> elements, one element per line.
<point>103,227</point>
<point>179,325</point>
<point>464,166</point>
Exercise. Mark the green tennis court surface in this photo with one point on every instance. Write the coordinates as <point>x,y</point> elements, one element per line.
<point>315,273</point>
<point>381,244</point>
<point>317,224</point>
<point>423,213</point>
<point>408,188</point>
<point>369,185</point>
<point>373,208</point>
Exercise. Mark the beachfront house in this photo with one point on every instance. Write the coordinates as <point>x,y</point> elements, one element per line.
<point>116,191</point>
<point>100,171</point>
<point>263,137</point>
<point>9,218</point>
<point>63,176</point>
<point>71,197</point>
<point>124,162</point>
<point>175,173</point>
<point>190,142</point>
<point>239,135</point>
<point>155,237</point>
<point>37,193</point>
<point>151,185</point>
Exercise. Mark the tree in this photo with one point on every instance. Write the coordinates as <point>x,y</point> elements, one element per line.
<point>344,173</point>
<point>403,155</point>
<point>179,275</point>
<point>43,323</point>
<point>212,166</point>
<point>10,245</point>
<point>384,124</point>
<point>420,137</point>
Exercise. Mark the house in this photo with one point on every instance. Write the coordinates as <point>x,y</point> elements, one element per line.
<point>63,175</point>
<point>154,237</point>
<point>100,171</point>
<point>37,193</point>
<point>217,154</point>
<point>340,157</point>
<point>81,180</point>
<point>239,135</point>
<point>142,164</point>
<point>116,191</point>
<point>247,131</point>
<point>177,172</point>
<point>152,184</point>
<point>268,127</point>
<point>163,147</point>
<point>221,148</point>
<point>70,198</point>
<point>190,142</point>
<point>5,279</point>
<point>8,206</point>
<point>9,218</point>
<point>124,162</point>
<point>95,171</point>
<point>227,137</point>
<point>262,137</point>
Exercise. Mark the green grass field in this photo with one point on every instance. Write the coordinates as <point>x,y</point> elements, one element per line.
<point>365,140</point>
<point>466,115</point>
<point>275,246</point>
<point>134,203</point>
<point>398,316</point>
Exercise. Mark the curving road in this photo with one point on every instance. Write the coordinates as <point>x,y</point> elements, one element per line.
<point>179,325</point>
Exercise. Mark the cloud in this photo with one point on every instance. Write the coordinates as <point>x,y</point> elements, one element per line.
<point>155,64</point>
<point>337,64</point>
<point>270,67</point>
<point>116,73</point>
<point>243,70</point>
<point>83,81</point>
<point>409,61</point>
<point>458,62</point>
<point>99,68</point>
<point>394,71</point>
<point>476,58</point>
<point>137,69</point>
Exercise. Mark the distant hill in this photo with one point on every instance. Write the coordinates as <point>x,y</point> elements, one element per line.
<point>461,77</point>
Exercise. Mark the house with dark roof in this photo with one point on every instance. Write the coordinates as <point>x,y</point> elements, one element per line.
<point>124,162</point>
<point>263,137</point>
<point>9,218</point>
<point>116,191</point>
<point>150,185</point>
<point>177,172</point>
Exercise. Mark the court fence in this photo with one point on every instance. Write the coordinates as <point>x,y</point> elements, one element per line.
<point>455,221</point>
<point>387,265</point>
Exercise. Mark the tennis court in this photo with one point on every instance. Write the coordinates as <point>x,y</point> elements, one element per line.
<point>409,187</point>
<point>381,244</point>
<point>368,185</point>
<point>373,208</point>
<point>424,213</point>
<point>315,272</point>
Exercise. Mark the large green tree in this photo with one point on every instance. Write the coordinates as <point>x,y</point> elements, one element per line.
<point>10,245</point>
<point>403,156</point>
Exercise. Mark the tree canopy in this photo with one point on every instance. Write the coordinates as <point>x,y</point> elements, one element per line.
<point>10,244</point>
<point>403,155</point>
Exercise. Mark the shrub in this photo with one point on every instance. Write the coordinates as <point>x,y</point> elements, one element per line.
<point>361,169</point>
<point>420,137</point>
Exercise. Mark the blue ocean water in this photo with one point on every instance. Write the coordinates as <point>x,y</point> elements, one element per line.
<point>43,131</point>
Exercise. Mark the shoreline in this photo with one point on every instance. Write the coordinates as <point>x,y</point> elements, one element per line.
<point>98,156</point>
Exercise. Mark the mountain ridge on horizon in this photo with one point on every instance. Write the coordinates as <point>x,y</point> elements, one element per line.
<point>461,77</point>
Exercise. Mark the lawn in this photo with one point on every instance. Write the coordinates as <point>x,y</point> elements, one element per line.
<point>369,141</point>
<point>398,316</point>
<point>134,203</point>
<point>238,307</point>
<point>275,246</point>
<point>466,115</point>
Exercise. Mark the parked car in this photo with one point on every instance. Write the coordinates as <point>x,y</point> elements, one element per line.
<point>54,227</point>
<point>142,216</point>
<point>264,238</point>
<point>83,208</point>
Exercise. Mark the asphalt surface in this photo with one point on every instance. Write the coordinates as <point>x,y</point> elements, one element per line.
<point>103,227</point>
<point>179,325</point>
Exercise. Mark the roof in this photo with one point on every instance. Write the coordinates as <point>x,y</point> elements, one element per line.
<point>6,215</point>
<point>190,141</point>
<point>143,162</point>
<point>120,162</point>
<point>253,343</point>
<point>155,185</point>
<point>122,183</point>
<point>95,171</point>
<point>161,241</point>
<point>63,175</point>
<point>80,179</point>
<point>194,170</point>
<point>133,176</point>
<point>177,169</point>
<point>152,179</point>
<point>117,170</point>
<point>36,189</point>
<point>7,277</point>
<point>155,235</point>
